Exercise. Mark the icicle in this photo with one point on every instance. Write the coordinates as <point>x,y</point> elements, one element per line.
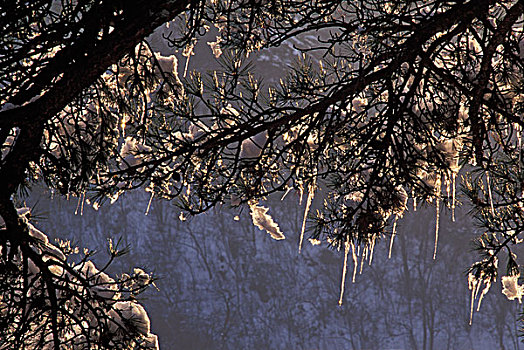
<point>82,206</point>
<point>123,126</point>
<point>437,201</point>
<point>484,292</point>
<point>286,193</point>
<point>471,306</point>
<point>310,195</point>
<point>520,149</point>
<point>187,65</point>
<point>453,191</point>
<point>474,285</point>
<point>362,259</point>
<point>79,204</point>
<point>355,261</point>
<point>301,190</point>
<point>474,293</point>
<point>344,271</point>
<point>436,229</point>
<point>518,130</point>
<point>490,195</point>
<point>149,203</point>
<point>477,288</point>
<point>447,187</point>
<point>392,237</point>
<point>371,250</point>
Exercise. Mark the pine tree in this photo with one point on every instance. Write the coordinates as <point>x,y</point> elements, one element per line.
<point>389,101</point>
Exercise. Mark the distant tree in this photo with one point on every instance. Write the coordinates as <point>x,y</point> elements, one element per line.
<point>395,98</point>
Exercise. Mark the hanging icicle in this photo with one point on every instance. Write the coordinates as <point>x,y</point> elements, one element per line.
<point>436,229</point>
<point>310,196</point>
<point>483,294</point>
<point>392,236</point>
<point>371,250</point>
<point>363,258</point>
<point>355,261</point>
<point>286,193</point>
<point>437,219</point>
<point>149,203</point>
<point>123,122</point>
<point>448,186</point>
<point>83,201</point>
<point>474,285</point>
<point>186,65</point>
<point>490,194</point>
<point>518,130</point>
<point>80,204</point>
<point>453,191</point>
<point>344,271</point>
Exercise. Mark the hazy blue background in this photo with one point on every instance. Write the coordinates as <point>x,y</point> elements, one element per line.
<point>224,284</point>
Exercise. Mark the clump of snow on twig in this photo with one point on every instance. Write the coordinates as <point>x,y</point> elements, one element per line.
<point>168,64</point>
<point>132,313</point>
<point>133,152</point>
<point>126,319</point>
<point>264,221</point>
<point>511,289</point>
<point>215,47</point>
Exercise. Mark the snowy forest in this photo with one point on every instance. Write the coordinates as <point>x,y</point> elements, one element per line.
<point>223,284</point>
<point>282,174</point>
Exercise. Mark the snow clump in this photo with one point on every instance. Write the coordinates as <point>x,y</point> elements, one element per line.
<point>511,289</point>
<point>264,221</point>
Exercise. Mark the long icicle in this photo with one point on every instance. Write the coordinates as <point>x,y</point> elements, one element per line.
<point>453,191</point>
<point>344,271</point>
<point>149,203</point>
<point>483,294</point>
<point>286,193</point>
<point>392,237</point>
<point>186,65</point>
<point>474,292</point>
<point>518,130</point>
<point>437,220</point>
<point>79,203</point>
<point>471,306</point>
<point>363,258</point>
<point>355,261</point>
<point>436,229</point>
<point>83,201</point>
<point>490,195</point>
<point>310,195</point>
<point>370,258</point>
<point>448,185</point>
